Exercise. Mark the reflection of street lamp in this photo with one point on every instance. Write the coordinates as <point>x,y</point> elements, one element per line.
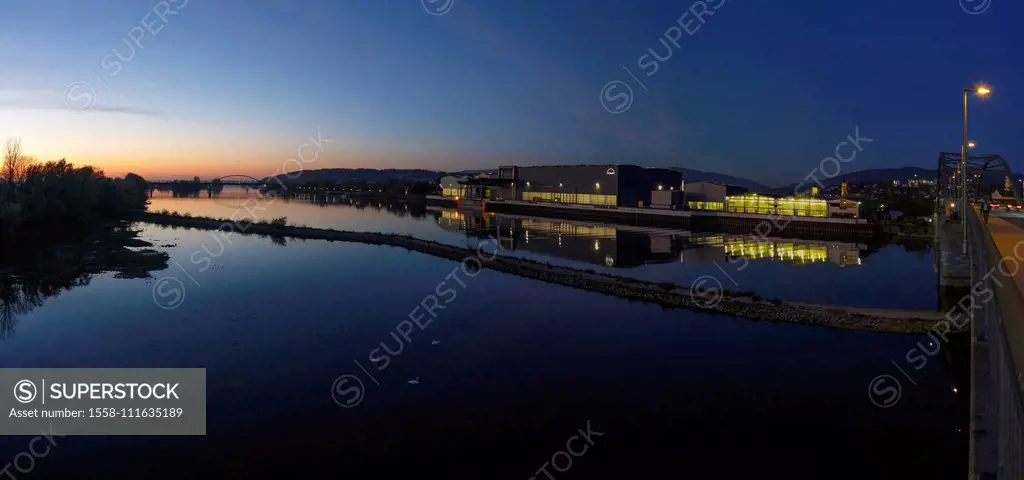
<point>981,91</point>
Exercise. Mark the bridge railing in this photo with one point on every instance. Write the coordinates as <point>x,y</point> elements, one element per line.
<point>999,328</point>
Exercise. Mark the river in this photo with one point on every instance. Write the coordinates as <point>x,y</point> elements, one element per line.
<point>509,370</point>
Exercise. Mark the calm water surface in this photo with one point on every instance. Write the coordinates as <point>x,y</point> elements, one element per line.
<point>518,366</point>
<point>836,273</point>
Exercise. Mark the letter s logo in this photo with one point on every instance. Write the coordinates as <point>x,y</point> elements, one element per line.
<point>79,97</point>
<point>624,98</point>
<point>25,391</point>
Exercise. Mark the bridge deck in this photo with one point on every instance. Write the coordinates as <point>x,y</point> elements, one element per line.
<point>1008,234</point>
<point>997,430</point>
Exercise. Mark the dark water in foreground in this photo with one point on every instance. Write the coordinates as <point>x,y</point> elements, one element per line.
<point>519,367</point>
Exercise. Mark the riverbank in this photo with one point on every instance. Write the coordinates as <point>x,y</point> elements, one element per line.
<point>737,304</point>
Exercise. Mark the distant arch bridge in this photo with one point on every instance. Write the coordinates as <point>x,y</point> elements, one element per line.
<point>236,179</point>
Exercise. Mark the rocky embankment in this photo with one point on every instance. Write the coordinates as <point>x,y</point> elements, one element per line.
<point>711,300</point>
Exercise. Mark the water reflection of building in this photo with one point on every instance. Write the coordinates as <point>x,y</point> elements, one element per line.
<point>584,242</point>
<point>800,252</point>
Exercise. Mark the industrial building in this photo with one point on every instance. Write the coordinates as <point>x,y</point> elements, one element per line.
<point>611,186</point>
<point>596,185</point>
<point>710,196</point>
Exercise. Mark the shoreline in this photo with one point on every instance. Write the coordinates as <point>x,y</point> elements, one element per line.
<point>737,304</point>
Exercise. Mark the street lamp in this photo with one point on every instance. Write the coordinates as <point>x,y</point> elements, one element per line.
<point>971,145</point>
<point>981,91</point>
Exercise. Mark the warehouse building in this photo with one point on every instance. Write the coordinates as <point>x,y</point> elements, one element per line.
<point>710,195</point>
<point>597,185</point>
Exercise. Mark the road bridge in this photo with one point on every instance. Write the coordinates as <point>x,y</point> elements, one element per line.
<point>997,346</point>
<point>980,268</point>
<point>233,179</point>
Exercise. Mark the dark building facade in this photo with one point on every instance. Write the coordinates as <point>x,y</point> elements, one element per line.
<point>710,195</point>
<point>599,185</point>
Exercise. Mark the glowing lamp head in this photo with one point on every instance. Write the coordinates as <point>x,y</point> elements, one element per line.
<point>971,145</point>
<point>983,91</point>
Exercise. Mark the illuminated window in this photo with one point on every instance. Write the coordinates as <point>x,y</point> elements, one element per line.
<point>758,204</point>
<point>573,198</point>
<point>803,207</point>
<point>716,206</point>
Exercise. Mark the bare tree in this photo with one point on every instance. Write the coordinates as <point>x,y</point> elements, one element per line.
<point>15,163</point>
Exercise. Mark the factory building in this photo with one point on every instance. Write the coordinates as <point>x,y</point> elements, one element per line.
<point>452,186</point>
<point>710,195</point>
<point>596,185</point>
<point>713,196</point>
<point>611,186</point>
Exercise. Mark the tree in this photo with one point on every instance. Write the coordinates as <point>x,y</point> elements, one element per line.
<point>16,164</point>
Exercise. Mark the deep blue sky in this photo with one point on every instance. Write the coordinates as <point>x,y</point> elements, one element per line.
<point>763,90</point>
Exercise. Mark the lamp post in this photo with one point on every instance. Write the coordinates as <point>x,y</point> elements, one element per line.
<point>981,91</point>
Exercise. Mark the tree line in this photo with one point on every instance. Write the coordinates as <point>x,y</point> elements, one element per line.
<point>37,194</point>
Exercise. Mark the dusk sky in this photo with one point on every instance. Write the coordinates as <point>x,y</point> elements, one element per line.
<point>763,90</point>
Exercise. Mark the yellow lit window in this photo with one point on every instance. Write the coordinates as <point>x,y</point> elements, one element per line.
<point>717,206</point>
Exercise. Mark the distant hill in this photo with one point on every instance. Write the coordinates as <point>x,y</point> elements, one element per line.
<point>371,175</point>
<point>374,175</point>
<point>902,174</point>
<point>475,172</point>
<point>691,176</point>
<point>878,175</point>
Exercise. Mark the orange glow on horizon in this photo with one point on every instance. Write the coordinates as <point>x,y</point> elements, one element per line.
<point>170,167</point>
